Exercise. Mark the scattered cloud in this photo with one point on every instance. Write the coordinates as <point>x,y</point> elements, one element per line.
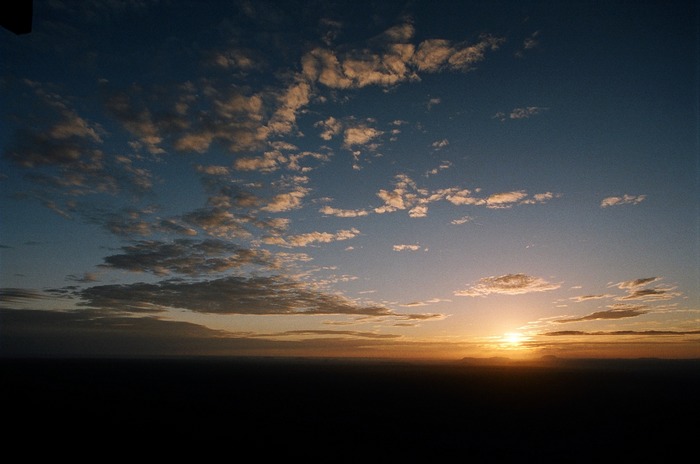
<point>330,128</point>
<point>508,284</point>
<point>432,102</point>
<point>406,247</point>
<point>443,165</point>
<point>623,200</point>
<point>462,220</point>
<point>307,239</point>
<point>440,144</point>
<point>185,256</point>
<point>330,211</point>
<point>391,59</point>
<point>520,113</point>
<point>530,42</point>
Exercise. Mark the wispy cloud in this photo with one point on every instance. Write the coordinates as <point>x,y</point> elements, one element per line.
<point>530,42</point>
<point>17,295</point>
<point>620,312</point>
<point>624,332</point>
<point>302,240</point>
<point>623,200</point>
<point>520,113</point>
<point>462,220</point>
<point>508,284</point>
<point>404,247</point>
<point>636,290</point>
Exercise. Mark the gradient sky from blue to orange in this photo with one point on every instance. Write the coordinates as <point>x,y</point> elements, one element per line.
<point>398,179</point>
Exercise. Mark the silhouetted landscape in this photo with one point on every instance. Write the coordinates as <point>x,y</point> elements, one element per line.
<point>350,410</point>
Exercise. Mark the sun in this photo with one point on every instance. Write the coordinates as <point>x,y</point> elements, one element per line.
<point>513,338</point>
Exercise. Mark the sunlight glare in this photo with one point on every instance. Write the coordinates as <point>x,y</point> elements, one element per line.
<point>513,338</point>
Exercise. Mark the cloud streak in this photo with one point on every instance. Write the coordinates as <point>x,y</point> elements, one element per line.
<point>508,284</point>
<point>228,295</point>
<point>623,200</point>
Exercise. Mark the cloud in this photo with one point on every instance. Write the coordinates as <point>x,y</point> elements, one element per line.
<point>583,298</point>
<point>508,284</point>
<point>18,295</point>
<point>85,278</point>
<point>333,333</point>
<point>651,294</point>
<point>432,102</point>
<point>237,59</point>
<point>443,165</point>
<point>359,134</point>
<point>62,152</point>
<point>50,333</point>
<point>624,332</point>
<point>435,55</point>
<point>185,256</point>
<point>414,304</point>
<point>303,240</point>
<point>520,113</point>
<point>623,200</point>
<point>407,195</point>
<point>286,201</point>
<point>440,143</point>
<point>228,295</point>
<point>295,97</point>
<point>636,291</point>
<point>637,282</point>
<point>390,59</point>
<point>621,312</point>
<point>137,119</point>
<point>406,247</point>
<point>418,211</point>
<point>501,200</point>
<point>530,42</point>
<point>330,211</point>
<point>330,128</point>
<point>462,220</point>
<point>268,162</point>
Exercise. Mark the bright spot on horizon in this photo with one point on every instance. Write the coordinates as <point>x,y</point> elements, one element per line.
<point>514,339</point>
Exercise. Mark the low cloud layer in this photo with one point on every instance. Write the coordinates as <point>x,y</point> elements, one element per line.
<point>227,295</point>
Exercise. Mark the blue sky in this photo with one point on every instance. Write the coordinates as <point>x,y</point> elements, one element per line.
<point>351,179</point>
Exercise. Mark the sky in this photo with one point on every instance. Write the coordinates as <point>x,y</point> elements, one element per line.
<point>401,179</point>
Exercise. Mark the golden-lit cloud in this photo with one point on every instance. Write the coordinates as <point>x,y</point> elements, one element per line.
<point>302,240</point>
<point>330,211</point>
<point>404,247</point>
<point>508,284</point>
<point>623,200</point>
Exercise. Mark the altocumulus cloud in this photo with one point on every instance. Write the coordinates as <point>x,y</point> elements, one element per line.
<point>508,284</point>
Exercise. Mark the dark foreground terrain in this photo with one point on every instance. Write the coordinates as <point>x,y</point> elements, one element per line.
<point>339,411</point>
